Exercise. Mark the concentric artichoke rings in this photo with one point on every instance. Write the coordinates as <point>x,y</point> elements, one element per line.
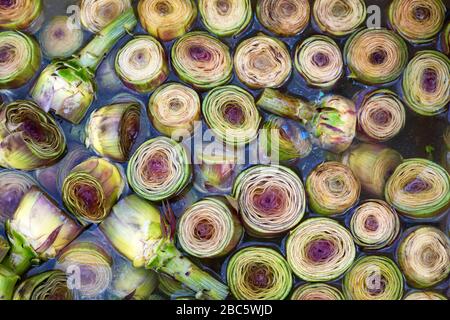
<point>23,15</point>
<point>20,58</point>
<point>320,249</point>
<point>258,273</point>
<point>375,56</point>
<point>225,17</point>
<point>209,228</point>
<point>283,17</point>
<point>332,188</point>
<point>167,19</point>
<point>202,60</point>
<point>316,291</point>
<point>319,60</point>
<point>271,199</point>
<point>159,169</point>
<point>231,113</point>
<point>142,64</point>
<point>49,285</point>
<point>13,186</point>
<point>97,14</point>
<point>262,62</point>
<point>339,17</point>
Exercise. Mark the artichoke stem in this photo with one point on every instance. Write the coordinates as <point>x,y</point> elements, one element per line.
<point>284,105</point>
<point>170,261</point>
<point>21,256</point>
<point>8,281</point>
<point>93,53</point>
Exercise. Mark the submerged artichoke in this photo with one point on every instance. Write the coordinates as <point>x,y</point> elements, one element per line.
<point>284,17</point>
<point>319,60</point>
<point>417,20</point>
<point>92,188</point>
<point>97,14</point>
<point>225,17</point>
<point>231,113</point>
<point>68,86</point>
<point>50,285</point>
<point>320,249</point>
<point>426,83</point>
<point>271,199</point>
<point>112,130</point>
<point>317,291</point>
<point>167,19</point>
<point>419,188</point>
<point>137,230</point>
<point>262,62</point>
<point>159,169</point>
<point>89,266</point>
<point>141,64</point>
<point>37,231</point>
<point>202,60</point>
<point>21,14</point>
<point>20,59</point>
<point>424,256</point>
<point>339,17</point>
<point>13,186</point>
<point>209,228</point>
<point>173,109</point>
<point>30,138</point>
<point>381,115</point>
<point>59,39</point>
<point>259,273</point>
<point>331,122</point>
<point>375,56</point>
<point>332,188</point>
<point>373,278</point>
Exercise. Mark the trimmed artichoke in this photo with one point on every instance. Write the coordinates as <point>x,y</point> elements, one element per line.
<point>317,291</point>
<point>21,14</point>
<point>50,285</point>
<point>97,14</point>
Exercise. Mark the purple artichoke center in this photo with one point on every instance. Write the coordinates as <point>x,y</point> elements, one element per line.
<point>5,54</point>
<point>417,186</point>
<point>320,250</point>
<point>371,223</point>
<point>156,168</point>
<point>376,284</point>
<point>259,277</point>
<point>269,201</point>
<point>129,131</point>
<point>88,195</point>
<point>199,54</point>
<point>9,201</point>
<point>33,130</point>
<point>204,230</point>
<point>320,59</point>
<point>163,8</point>
<point>429,80</point>
<point>287,8</point>
<point>59,33</point>
<point>378,56</point>
<point>223,6</point>
<point>422,13</point>
<point>381,117</point>
<point>233,114</point>
<point>7,3</point>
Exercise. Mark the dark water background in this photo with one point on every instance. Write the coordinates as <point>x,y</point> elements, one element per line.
<point>418,133</point>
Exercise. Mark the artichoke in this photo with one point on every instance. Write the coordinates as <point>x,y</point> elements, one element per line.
<point>20,59</point>
<point>209,228</point>
<point>137,230</point>
<point>50,285</point>
<point>4,248</point>
<point>97,14</point>
<point>231,113</point>
<point>316,291</point>
<point>92,188</point>
<point>424,295</point>
<point>68,86</point>
<point>202,60</point>
<point>142,64</point>
<point>59,40</point>
<point>159,169</point>
<point>21,14</point>
<point>262,62</point>
<point>225,18</point>
<point>112,130</point>
<point>167,19</point>
<point>8,280</point>
<point>445,39</point>
<point>331,122</point>
<point>258,273</point>
<point>320,249</point>
<point>30,138</point>
<point>332,188</point>
<point>286,17</point>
